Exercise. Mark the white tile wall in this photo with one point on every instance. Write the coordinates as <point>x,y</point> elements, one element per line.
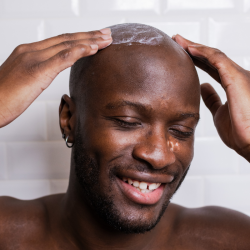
<point>209,158</point>
<point>148,6</point>
<point>34,160</point>
<point>28,189</point>
<point>222,37</point>
<point>200,4</point>
<point>191,193</point>
<point>36,8</point>
<point>30,126</point>
<point>228,191</point>
<point>54,132</point>
<point>190,30</point>
<point>58,186</point>
<point>38,160</point>
<point>3,160</point>
<point>246,5</point>
<point>57,89</point>
<point>55,27</point>
<point>14,32</point>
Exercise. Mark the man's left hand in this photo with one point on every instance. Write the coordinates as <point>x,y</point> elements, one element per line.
<point>231,119</point>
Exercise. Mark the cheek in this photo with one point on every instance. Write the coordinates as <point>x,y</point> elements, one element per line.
<point>184,152</point>
<point>108,143</point>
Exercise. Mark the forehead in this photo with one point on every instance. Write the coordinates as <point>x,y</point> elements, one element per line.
<point>144,72</point>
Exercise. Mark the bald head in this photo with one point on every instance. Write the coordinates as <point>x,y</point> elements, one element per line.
<point>137,51</point>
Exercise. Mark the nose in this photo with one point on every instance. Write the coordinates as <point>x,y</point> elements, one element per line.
<point>155,149</point>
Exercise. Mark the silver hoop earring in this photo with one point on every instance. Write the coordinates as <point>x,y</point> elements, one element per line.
<point>69,146</point>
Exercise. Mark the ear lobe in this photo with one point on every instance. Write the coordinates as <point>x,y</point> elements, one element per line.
<point>67,117</point>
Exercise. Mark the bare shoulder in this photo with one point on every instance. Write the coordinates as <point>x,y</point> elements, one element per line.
<point>212,227</point>
<point>23,221</point>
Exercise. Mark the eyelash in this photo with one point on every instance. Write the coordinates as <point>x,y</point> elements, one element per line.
<point>181,135</point>
<point>178,134</point>
<point>126,124</point>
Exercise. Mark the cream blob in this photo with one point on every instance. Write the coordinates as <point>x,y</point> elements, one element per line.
<point>130,33</point>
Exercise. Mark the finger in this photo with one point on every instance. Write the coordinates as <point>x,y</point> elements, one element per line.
<point>211,60</point>
<point>212,71</point>
<point>210,98</point>
<point>61,38</point>
<point>50,68</point>
<point>53,50</point>
<point>183,42</point>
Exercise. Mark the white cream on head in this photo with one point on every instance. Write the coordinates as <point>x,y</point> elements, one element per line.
<point>129,33</point>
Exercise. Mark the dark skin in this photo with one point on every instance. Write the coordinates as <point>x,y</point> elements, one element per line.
<point>157,141</point>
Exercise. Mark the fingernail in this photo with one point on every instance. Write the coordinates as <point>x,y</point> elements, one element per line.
<point>106,31</point>
<point>173,37</point>
<point>94,46</point>
<point>194,45</point>
<point>106,37</point>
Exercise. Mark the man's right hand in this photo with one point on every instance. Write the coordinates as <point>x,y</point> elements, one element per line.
<point>31,68</point>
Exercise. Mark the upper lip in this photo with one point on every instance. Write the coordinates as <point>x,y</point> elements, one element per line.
<point>146,177</point>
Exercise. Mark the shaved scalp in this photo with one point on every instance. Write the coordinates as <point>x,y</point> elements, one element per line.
<point>125,36</point>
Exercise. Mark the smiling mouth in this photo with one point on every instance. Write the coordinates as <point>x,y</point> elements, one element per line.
<point>143,187</point>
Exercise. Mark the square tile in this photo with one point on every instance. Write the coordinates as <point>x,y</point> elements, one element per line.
<point>200,4</point>
<point>38,160</point>
<point>29,126</point>
<point>190,193</point>
<point>213,157</point>
<point>53,127</point>
<point>228,191</point>
<point>3,166</point>
<point>54,27</point>
<point>190,30</point>
<point>120,5</point>
<point>58,186</point>
<point>220,36</point>
<point>17,32</point>
<point>36,8</point>
<point>25,190</point>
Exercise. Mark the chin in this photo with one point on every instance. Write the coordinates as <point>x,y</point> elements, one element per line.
<point>138,221</point>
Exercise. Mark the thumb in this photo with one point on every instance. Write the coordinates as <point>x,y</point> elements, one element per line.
<point>210,98</point>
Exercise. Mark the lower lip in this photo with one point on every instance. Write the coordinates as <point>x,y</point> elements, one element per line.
<point>141,198</point>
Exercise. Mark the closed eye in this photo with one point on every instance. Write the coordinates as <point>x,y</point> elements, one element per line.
<point>126,124</point>
<point>120,123</point>
<point>181,135</point>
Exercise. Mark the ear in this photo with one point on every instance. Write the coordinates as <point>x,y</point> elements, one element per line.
<point>67,118</point>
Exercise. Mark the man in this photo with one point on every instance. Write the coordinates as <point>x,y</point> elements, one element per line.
<point>131,118</point>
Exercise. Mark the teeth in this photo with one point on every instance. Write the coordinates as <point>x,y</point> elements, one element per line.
<point>152,186</point>
<point>158,184</point>
<point>130,182</point>
<point>124,179</point>
<point>142,186</point>
<point>136,183</point>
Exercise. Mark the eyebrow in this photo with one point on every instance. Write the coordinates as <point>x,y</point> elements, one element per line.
<point>122,103</point>
<point>147,108</point>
